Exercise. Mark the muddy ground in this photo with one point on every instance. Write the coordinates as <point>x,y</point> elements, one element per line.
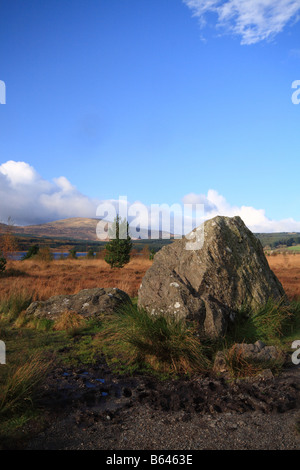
<point>92,408</point>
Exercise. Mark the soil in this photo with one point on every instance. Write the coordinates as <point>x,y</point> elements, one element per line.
<point>92,409</point>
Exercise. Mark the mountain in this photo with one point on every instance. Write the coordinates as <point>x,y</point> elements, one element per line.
<point>77,228</point>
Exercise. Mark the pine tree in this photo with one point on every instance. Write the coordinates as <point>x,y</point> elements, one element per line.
<point>119,247</point>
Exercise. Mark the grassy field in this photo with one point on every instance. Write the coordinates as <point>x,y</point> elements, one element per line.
<point>295,248</point>
<point>63,277</point>
<point>287,269</point>
<point>131,342</point>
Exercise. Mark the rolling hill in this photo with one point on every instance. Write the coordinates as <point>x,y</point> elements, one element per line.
<point>77,228</point>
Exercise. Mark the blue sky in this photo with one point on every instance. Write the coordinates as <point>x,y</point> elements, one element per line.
<point>164,101</point>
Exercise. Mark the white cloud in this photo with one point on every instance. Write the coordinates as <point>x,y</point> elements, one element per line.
<point>27,198</point>
<point>193,198</point>
<point>255,219</point>
<point>253,20</point>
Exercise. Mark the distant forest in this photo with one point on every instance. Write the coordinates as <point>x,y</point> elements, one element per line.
<point>63,244</point>
<point>274,240</point>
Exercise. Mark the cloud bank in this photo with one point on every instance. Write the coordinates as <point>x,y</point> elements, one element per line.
<point>29,199</point>
<point>255,219</point>
<point>252,20</point>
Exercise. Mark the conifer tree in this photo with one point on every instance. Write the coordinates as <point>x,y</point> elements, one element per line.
<point>119,247</point>
<point>2,263</point>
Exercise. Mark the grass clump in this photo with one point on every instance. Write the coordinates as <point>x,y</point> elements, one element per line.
<point>12,305</point>
<point>69,321</point>
<point>21,384</point>
<point>272,323</point>
<point>19,389</point>
<point>164,344</point>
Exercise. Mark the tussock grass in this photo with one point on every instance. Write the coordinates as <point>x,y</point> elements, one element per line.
<point>164,344</point>
<point>270,323</point>
<point>21,385</point>
<point>69,321</point>
<point>13,304</point>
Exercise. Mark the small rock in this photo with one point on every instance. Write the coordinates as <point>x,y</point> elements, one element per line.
<point>88,303</point>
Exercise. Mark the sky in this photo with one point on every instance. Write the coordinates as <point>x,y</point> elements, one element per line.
<point>161,101</point>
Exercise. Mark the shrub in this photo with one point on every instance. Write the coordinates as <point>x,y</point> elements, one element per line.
<point>72,254</point>
<point>2,264</point>
<point>33,250</point>
<point>90,254</point>
<point>44,254</point>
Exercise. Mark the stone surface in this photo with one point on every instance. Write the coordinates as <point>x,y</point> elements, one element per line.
<point>258,352</point>
<point>210,278</point>
<point>88,303</point>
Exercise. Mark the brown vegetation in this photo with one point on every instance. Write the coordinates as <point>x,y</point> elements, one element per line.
<point>62,277</point>
<point>45,279</point>
<point>287,269</point>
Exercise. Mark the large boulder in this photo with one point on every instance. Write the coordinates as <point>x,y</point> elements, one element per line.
<point>88,303</point>
<point>209,279</point>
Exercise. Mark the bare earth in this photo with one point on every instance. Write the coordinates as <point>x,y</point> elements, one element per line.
<point>143,414</point>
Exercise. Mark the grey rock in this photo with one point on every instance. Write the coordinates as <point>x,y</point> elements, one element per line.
<point>210,283</point>
<point>258,352</point>
<point>88,303</point>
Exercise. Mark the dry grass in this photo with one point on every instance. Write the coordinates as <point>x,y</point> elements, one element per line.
<point>287,269</point>
<point>22,383</point>
<point>62,277</point>
<point>240,366</point>
<point>68,320</point>
<point>43,280</point>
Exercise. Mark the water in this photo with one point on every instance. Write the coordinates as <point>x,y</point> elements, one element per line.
<point>57,255</point>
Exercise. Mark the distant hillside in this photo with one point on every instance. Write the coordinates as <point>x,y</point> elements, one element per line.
<point>273,240</point>
<point>77,228</point>
<point>84,229</point>
<point>74,228</point>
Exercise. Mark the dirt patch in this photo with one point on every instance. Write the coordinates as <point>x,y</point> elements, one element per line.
<point>92,408</point>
